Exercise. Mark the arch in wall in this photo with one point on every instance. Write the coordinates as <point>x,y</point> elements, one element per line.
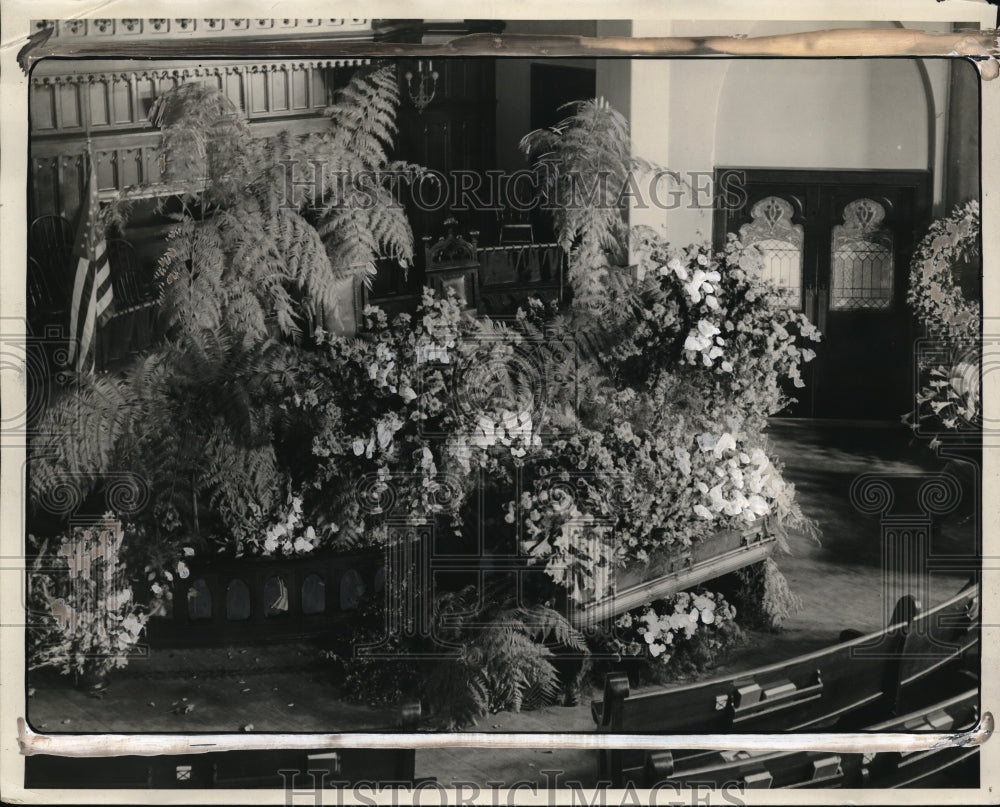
<point>867,113</point>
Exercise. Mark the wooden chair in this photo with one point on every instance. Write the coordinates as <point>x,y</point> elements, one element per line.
<point>517,233</point>
<point>393,289</point>
<point>46,305</point>
<point>50,244</point>
<point>452,264</point>
<point>132,291</point>
<point>131,327</point>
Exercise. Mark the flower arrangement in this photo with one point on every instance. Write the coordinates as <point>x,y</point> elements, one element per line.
<point>934,294</point>
<point>402,439</point>
<point>950,394</point>
<point>686,631</point>
<point>91,621</point>
<point>667,446</point>
<point>288,534</point>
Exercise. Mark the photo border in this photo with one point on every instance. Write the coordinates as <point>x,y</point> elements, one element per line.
<point>13,171</point>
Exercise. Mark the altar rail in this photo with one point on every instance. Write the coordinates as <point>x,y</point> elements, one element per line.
<point>247,600</point>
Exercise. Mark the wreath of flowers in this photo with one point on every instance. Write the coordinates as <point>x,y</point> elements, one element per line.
<point>951,394</point>
<point>935,296</point>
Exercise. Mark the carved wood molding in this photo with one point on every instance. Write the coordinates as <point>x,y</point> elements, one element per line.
<point>135,28</point>
<point>185,73</point>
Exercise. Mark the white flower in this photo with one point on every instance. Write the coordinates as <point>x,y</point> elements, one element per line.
<point>712,302</point>
<point>809,331</point>
<point>704,512</point>
<point>384,434</point>
<point>302,545</point>
<point>724,443</point>
<point>359,447</point>
<point>703,260</point>
<point>696,343</point>
<point>485,434</point>
<point>407,394</point>
<point>182,569</point>
<point>717,499</point>
<point>808,355</point>
<point>707,329</point>
<point>683,460</point>
<point>693,288</point>
<point>678,268</point>
<point>188,552</point>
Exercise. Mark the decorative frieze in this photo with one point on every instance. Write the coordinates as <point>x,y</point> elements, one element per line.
<point>188,73</point>
<point>216,26</point>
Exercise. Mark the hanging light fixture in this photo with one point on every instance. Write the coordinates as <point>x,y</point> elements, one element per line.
<point>426,84</point>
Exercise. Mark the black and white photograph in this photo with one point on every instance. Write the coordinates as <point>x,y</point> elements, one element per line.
<point>560,407</point>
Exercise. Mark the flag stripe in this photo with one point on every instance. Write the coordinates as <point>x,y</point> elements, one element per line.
<point>86,325</point>
<point>93,294</point>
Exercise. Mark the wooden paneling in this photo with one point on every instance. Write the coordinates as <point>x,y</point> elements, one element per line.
<point>61,104</point>
<point>112,109</point>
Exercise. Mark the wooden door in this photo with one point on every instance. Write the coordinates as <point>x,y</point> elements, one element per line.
<point>455,132</point>
<point>839,244</point>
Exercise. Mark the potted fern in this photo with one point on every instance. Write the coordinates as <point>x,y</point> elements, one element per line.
<point>252,278</point>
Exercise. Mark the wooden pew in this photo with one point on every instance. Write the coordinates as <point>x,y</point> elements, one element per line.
<point>849,685</point>
<point>924,768</point>
<point>812,769</point>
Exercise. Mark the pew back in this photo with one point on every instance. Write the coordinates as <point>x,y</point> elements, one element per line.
<point>847,686</point>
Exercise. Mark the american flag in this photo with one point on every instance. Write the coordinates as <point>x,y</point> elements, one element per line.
<point>93,299</point>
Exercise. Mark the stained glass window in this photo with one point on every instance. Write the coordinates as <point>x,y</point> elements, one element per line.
<point>862,271</point>
<point>780,243</point>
